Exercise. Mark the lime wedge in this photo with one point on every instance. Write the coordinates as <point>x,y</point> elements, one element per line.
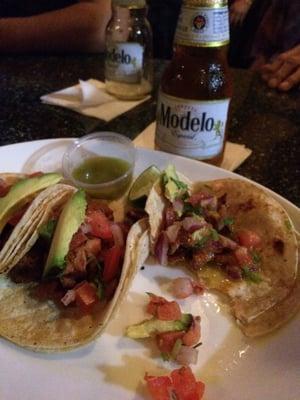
<point>143,183</point>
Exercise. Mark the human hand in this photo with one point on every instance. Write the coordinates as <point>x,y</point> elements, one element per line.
<point>238,11</point>
<point>283,72</point>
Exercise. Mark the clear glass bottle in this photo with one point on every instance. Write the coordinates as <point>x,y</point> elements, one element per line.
<point>128,62</point>
<point>196,86</point>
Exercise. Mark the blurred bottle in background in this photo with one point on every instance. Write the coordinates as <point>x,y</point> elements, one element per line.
<point>196,86</point>
<point>128,62</point>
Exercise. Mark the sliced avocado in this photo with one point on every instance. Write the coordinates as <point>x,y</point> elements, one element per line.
<point>174,188</point>
<point>152,326</point>
<point>70,219</point>
<point>21,192</point>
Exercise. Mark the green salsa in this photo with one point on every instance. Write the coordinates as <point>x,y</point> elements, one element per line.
<point>101,170</point>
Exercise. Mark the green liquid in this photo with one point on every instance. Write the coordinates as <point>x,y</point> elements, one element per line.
<point>97,170</point>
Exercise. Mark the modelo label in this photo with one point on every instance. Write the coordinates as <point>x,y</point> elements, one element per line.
<point>191,128</point>
<point>124,62</point>
<point>203,26</point>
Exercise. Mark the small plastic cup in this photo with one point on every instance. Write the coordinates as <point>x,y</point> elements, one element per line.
<point>100,145</point>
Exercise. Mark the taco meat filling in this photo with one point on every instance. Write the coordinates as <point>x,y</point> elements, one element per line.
<point>92,266</point>
<point>197,230</point>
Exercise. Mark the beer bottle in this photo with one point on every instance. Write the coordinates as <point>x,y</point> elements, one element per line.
<point>196,86</point>
<point>128,61</point>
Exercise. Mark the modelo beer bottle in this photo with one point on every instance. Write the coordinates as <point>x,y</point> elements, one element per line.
<point>128,61</point>
<point>196,86</point>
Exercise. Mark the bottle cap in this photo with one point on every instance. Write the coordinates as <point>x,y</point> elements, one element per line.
<point>130,3</point>
<point>206,3</point>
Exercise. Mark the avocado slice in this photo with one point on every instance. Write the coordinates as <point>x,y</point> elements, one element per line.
<point>173,187</point>
<point>70,219</point>
<point>153,326</point>
<point>21,192</point>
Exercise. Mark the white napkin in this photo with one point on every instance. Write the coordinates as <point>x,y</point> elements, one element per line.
<point>90,98</point>
<point>234,155</point>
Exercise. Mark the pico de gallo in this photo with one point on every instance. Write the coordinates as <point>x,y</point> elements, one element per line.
<point>197,230</point>
<point>177,335</point>
<point>180,385</point>
<point>92,266</point>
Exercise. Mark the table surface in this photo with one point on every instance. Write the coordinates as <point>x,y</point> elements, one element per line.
<point>264,120</point>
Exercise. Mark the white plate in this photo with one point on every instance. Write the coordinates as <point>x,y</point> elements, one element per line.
<point>113,367</point>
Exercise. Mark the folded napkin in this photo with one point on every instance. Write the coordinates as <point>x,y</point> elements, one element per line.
<point>90,98</point>
<point>234,155</point>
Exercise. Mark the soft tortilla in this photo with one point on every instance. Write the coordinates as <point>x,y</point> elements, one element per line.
<point>43,327</point>
<point>253,209</point>
<point>279,314</point>
<point>259,307</point>
<point>25,234</point>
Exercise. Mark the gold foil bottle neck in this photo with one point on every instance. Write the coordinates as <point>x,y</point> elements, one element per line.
<point>206,3</point>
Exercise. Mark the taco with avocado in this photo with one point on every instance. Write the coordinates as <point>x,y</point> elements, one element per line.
<point>67,287</point>
<point>26,203</point>
<point>234,237</point>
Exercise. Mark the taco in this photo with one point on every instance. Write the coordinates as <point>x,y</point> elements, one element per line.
<point>234,237</point>
<point>86,270</point>
<point>17,192</point>
<point>39,216</point>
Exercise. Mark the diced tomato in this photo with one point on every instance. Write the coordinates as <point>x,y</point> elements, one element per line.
<point>159,387</point>
<point>184,384</point>
<point>249,238</point>
<point>99,205</point>
<point>4,188</point>
<point>200,389</point>
<point>100,225</point>
<point>192,336</point>
<point>85,295</point>
<point>242,255</point>
<point>152,309</point>
<point>169,311</point>
<point>155,301</point>
<point>112,262</point>
<point>163,309</point>
<point>181,386</point>
<point>166,341</point>
<point>77,240</point>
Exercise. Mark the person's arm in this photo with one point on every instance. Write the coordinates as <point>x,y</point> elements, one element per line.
<point>283,72</point>
<point>239,10</point>
<point>79,27</point>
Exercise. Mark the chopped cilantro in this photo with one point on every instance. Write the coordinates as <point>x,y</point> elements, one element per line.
<point>256,257</point>
<point>46,231</point>
<point>251,276</point>
<point>188,208</point>
<point>288,225</point>
<point>214,234</point>
<point>202,241</point>
<point>180,185</point>
<point>164,179</point>
<point>228,221</point>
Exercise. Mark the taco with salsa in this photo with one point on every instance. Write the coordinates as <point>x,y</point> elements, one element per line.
<point>67,286</point>
<point>235,238</point>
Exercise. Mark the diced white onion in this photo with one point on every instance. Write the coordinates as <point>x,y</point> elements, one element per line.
<point>187,355</point>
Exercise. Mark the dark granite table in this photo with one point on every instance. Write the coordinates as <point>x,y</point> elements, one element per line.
<point>266,121</point>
